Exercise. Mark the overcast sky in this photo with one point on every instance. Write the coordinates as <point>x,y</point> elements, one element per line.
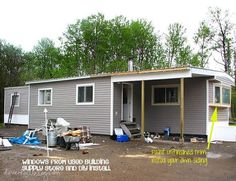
<point>24,22</point>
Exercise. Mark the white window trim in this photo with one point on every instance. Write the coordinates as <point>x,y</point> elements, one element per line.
<point>85,85</point>
<point>43,89</point>
<point>217,85</point>
<point>16,105</point>
<point>166,86</point>
<point>221,93</point>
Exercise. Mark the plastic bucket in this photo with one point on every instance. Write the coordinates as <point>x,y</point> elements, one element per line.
<point>166,131</point>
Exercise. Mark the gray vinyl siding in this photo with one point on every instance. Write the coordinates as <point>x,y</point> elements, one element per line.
<point>159,117</point>
<point>223,112</point>
<point>23,105</point>
<point>96,116</point>
<point>195,106</point>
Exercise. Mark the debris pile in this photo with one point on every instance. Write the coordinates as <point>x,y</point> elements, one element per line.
<point>83,132</point>
<point>5,144</point>
<point>29,138</point>
<point>58,133</point>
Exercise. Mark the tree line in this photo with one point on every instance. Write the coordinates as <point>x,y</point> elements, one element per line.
<point>96,45</point>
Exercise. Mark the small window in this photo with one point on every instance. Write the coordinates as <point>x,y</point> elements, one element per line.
<point>217,94</point>
<point>45,97</point>
<point>165,95</point>
<point>16,101</point>
<point>85,94</point>
<point>226,95</point>
<point>221,94</point>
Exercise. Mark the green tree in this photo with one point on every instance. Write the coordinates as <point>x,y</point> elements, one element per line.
<point>203,39</point>
<point>222,26</point>
<point>147,48</point>
<point>11,61</point>
<point>46,58</point>
<point>178,53</point>
<point>71,42</point>
<point>28,67</point>
<point>10,64</point>
<point>96,45</point>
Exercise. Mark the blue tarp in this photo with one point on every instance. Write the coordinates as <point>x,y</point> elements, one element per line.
<point>33,140</point>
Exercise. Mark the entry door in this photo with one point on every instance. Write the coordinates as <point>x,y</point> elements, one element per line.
<point>127,102</point>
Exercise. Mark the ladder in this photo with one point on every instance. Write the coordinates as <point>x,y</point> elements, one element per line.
<point>13,101</point>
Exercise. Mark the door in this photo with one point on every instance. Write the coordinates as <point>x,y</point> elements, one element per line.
<point>127,102</point>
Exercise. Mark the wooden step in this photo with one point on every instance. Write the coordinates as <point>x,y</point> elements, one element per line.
<point>131,129</point>
<point>136,135</point>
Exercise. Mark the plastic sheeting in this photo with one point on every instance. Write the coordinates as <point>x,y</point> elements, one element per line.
<point>27,138</point>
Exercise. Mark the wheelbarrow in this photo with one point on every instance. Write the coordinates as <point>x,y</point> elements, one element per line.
<point>71,141</point>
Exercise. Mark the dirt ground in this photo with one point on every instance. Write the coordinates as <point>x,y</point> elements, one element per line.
<point>133,160</point>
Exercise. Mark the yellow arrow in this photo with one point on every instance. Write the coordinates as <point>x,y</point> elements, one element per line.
<point>214,118</point>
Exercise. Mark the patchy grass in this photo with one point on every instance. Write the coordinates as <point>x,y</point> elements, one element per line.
<point>232,121</point>
<point>232,124</point>
<point>1,125</point>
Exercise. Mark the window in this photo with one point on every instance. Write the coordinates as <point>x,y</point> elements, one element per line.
<point>45,97</point>
<point>165,95</point>
<point>221,94</point>
<point>84,94</point>
<point>172,95</point>
<point>226,96</point>
<point>17,100</point>
<point>217,94</point>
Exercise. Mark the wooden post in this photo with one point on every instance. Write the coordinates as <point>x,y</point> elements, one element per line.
<point>142,108</point>
<point>182,109</point>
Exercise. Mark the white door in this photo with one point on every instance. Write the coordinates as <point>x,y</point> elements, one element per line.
<point>127,102</point>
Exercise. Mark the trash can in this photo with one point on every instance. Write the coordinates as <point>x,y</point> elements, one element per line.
<point>166,131</point>
<point>52,139</point>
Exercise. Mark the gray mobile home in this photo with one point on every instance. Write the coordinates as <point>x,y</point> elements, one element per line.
<point>182,99</point>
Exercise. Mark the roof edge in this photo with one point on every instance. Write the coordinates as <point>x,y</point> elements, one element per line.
<point>211,72</point>
<point>193,70</point>
<point>16,87</point>
<point>56,80</point>
<point>173,69</point>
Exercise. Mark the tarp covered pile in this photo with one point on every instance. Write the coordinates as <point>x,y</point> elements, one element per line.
<point>28,138</point>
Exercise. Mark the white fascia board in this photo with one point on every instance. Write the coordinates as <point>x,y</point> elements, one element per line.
<point>57,80</point>
<point>152,76</point>
<point>209,72</point>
